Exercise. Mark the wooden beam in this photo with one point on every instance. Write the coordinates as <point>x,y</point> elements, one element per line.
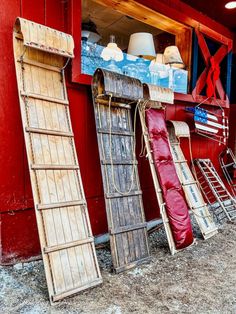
<point>219,56</point>
<point>145,14</point>
<point>199,98</point>
<point>195,61</point>
<point>201,82</point>
<point>183,41</point>
<point>229,72</point>
<point>185,14</point>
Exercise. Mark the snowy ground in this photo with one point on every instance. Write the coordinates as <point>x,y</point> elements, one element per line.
<point>200,279</point>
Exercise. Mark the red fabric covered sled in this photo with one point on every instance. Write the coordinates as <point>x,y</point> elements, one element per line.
<point>176,207</point>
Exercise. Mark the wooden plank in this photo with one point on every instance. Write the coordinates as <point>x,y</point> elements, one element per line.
<point>146,15</point>
<point>67,245</point>
<point>61,211</point>
<point>90,284</point>
<point>195,61</point>
<point>119,162</point>
<point>132,265</point>
<point>49,132</point>
<point>113,103</point>
<point>115,132</point>
<point>39,65</point>
<point>47,98</point>
<point>54,167</point>
<point>61,204</point>
<point>128,228</point>
<point>115,195</point>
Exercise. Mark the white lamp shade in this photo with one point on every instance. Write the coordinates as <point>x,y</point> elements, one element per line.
<point>172,56</point>
<point>142,44</point>
<point>112,52</point>
<point>90,36</point>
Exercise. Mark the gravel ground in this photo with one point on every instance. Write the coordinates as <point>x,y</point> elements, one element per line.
<point>200,279</point>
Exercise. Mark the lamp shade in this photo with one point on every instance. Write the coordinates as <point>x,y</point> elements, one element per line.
<point>89,32</point>
<point>142,45</point>
<point>172,56</point>
<point>90,36</point>
<point>112,51</point>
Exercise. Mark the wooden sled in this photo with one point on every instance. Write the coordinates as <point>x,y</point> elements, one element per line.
<point>154,93</point>
<point>67,244</point>
<point>178,129</point>
<point>113,96</point>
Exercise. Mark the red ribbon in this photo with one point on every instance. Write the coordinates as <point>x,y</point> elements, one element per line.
<point>212,77</point>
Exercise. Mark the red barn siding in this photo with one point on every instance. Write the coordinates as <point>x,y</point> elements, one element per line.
<point>18,232</point>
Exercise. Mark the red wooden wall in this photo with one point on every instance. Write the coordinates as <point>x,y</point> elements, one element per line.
<point>18,232</point>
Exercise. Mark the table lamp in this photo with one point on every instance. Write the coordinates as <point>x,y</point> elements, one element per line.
<point>89,32</point>
<point>173,58</point>
<point>142,46</point>
<point>113,54</point>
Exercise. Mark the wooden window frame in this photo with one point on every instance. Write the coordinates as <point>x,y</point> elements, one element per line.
<point>176,18</point>
<point>183,33</point>
<point>198,83</point>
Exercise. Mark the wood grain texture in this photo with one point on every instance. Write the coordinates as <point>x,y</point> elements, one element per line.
<point>123,198</point>
<point>64,228</point>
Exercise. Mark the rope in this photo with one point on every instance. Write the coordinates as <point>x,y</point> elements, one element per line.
<point>67,61</point>
<point>143,151</point>
<point>133,148</point>
<point>144,107</point>
<point>202,102</point>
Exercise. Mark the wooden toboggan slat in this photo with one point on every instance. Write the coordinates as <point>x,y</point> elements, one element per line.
<point>62,217</point>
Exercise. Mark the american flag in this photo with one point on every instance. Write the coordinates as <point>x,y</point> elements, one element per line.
<point>209,123</point>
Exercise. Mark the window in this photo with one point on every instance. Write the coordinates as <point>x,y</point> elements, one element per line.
<point>122,19</point>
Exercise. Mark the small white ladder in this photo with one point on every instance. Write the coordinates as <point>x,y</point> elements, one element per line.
<point>215,191</point>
